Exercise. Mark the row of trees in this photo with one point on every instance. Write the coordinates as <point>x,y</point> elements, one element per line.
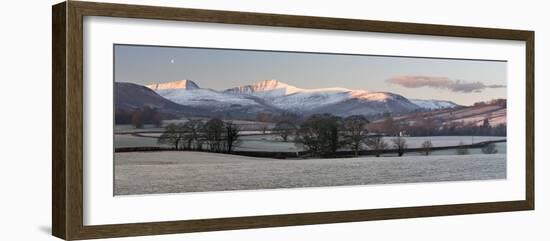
<point>325,134</point>
<point>426,126</point>
<point>499,102</point>
<point>321,135</point>
<point>490,148</point>
<point>213,135</point>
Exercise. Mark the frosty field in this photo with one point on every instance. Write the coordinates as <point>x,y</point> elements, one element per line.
<point>176,171</point>
<point>270,142</point>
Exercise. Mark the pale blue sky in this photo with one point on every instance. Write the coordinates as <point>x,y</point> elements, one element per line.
<point>461,81</point>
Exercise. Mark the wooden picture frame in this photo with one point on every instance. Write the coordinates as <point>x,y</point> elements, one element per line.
<point>67,155</point>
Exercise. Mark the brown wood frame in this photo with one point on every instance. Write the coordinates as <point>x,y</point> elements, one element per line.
<point>67,123</point>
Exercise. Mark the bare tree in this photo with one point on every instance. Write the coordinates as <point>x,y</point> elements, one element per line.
<point>284,129</point>
<point>426,147</point>
<point>173,135</point>
<point>309,137</point>
<point>377,145</point>
<point>462,149</point>
<point>199,143</point>
<point>320,134</point>
<point>355,129</point>
<point>213,134</point>
<point>400,144</point>
<point>490,148</point>
<point>231,135</point>
<point>333,126</point>
<point>192,130</point>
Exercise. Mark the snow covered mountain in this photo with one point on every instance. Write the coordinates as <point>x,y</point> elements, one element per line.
<point>178,84</point>
<point>188,93</point>
<point>274,96</point>
<point>275,88</point>
<point>434,104</point>
<point>336,100</point>
<point>266,89</point>
<point>130,96</point>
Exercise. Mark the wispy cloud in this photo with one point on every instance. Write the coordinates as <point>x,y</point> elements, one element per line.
<point>417,81</point>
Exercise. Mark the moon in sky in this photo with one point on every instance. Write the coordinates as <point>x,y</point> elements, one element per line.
<point>172,61</point>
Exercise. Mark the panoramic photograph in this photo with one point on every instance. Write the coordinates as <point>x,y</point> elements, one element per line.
<point>205,120</point>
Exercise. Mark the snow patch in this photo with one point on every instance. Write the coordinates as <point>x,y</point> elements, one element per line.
<point>178,84</point>
<point>433,104</point>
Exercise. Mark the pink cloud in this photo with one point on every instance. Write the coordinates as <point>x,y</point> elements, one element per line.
<point>417,81</point>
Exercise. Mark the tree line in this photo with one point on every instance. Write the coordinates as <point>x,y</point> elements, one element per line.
<point>324,134</point>
<point>321,135</point>
<point>427,126</point>
<point>213,135</point>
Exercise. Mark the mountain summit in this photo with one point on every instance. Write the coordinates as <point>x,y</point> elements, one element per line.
<point>178,84</point>
<point>271,87</point>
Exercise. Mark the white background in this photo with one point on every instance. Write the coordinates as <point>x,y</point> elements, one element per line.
<point>25,52</point>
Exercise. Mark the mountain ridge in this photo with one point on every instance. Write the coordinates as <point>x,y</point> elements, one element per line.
<point>274,96</point>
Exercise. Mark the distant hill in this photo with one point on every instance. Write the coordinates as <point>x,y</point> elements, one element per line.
<point>129,97</point>
<point>495,114</point>
<point>133,96</point>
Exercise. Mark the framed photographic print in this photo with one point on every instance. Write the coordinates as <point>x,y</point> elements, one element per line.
<point>171,120</point>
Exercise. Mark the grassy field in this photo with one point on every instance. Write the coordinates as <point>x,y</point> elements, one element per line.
<point>176,172</point>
